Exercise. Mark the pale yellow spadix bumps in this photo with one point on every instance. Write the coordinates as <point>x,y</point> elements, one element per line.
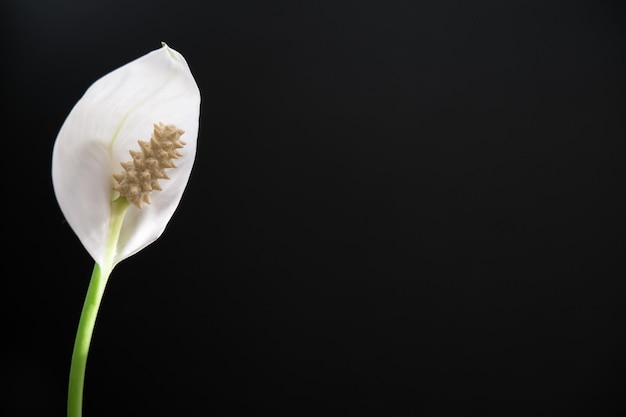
<point>122,140</point>
<point>141,175</point>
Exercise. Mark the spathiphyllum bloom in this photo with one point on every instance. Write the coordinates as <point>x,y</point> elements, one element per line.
<point>120,165</point>
<point>124,155</point>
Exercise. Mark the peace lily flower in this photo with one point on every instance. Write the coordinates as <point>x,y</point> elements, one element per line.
<point>120,165</point>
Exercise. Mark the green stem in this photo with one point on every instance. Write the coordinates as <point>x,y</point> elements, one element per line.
<point>87,322</point>
<point>83,340</point>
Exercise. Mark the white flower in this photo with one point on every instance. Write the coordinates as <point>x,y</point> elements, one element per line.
<point>97,155</point>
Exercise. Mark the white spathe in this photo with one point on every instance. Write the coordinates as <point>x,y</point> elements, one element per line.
<point>116,112</point>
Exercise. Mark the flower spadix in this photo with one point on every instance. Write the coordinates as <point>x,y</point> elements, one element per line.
<point>124,154</point>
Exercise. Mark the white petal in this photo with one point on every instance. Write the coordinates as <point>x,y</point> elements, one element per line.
<point>114,113</point>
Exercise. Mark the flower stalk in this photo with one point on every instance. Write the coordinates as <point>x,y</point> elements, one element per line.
<point>87,322</point>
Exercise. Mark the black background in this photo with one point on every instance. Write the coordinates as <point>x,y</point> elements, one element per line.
<point>398,208</point>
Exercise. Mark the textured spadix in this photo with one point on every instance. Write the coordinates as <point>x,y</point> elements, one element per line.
<point>101,133</point>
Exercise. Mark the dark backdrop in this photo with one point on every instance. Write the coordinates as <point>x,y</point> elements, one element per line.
<point>398,208</point>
